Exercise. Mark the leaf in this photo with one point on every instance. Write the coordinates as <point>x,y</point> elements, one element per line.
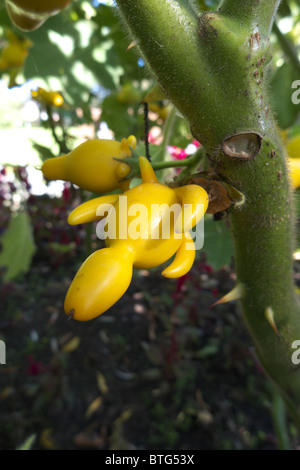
<point>117,439</point>
<point>218,243</point>
<point>117,117</point>
<point>153,353</point>
<point>46,439</point>
<point>82,56</point>
<point>27,443</point>
<point>93,407</point>
<point>101,382</point>
<point>43,151</point>
<point>71,345</point>
<point>154,94</point>
<point>18,246</point>
<point>211,349</point>
<point>281,95</point>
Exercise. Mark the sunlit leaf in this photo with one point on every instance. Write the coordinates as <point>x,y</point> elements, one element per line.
<point>93,407</point>
<point>71,345</point>
<point>281,95</point>
<point>18,246</point>
<point>218,244</point>
<point>101,382</point>
<point>27,444</point>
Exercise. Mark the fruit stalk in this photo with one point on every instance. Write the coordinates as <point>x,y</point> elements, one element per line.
<point>213,67</point>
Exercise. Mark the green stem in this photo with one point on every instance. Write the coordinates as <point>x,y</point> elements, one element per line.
<point>257,13</point>
<point>280,420</point>
<point>168,128</point>
<point>189,162</point>
<point>167,132</point>
<point>61,142</point>
<point>212,66</point>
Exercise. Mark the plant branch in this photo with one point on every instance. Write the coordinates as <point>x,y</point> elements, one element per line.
<point>259,14</point>
<point>61,142</point>
<point>189,162</point>
<point>212,66</point>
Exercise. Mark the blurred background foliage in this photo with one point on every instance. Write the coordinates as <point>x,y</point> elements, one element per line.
<point>84,54</point>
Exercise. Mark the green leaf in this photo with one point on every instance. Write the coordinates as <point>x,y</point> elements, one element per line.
<point>28,443</point>
<point>218,243</point>
<point>120,120</point>
<point>78,56</point>
<point>281,95</point>
<point>18,246</point>
<point>284,9</point>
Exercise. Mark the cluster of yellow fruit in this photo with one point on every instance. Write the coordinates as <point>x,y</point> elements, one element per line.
<point>103,166</point>
<point>106,274</point>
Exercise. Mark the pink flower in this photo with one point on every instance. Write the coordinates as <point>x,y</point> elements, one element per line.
<point>34,367</point>
<point>66,194</point>
<point>177,153</point>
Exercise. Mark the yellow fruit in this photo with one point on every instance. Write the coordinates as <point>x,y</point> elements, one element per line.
<point>141,233</point>
<point>293,150</point>
<point>294,168</point>
<point>162,111</point>
<point>40,6</point>
<point>28,15</point>
<point>51,98</point>
<point>93,165</point>
<point>101,280</point>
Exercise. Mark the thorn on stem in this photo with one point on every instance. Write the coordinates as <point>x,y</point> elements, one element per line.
<point>235,294</point>
<point>269,314</point>
<point>132,44</point>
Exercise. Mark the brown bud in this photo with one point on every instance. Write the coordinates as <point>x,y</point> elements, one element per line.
<point>217,193</point>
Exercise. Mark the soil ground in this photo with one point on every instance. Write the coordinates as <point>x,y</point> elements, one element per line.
<point>159,370</point>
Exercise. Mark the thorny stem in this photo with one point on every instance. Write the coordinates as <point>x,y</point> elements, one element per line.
<point>257,14</point>
<point>212,66</point>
